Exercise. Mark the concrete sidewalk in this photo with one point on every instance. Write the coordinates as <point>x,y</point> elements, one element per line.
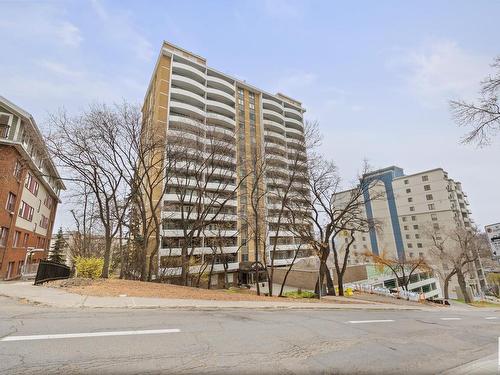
<point>59,298</point>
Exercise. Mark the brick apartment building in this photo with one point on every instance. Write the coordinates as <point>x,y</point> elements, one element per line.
<point>29,192</point>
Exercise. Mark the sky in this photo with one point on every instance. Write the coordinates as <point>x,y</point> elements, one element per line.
<point>377,76</point>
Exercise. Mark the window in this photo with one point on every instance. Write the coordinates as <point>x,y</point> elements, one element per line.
<point>433,216</point>
<point>429,197</point>
<point>417,235</point>
<point>26,211</point>
<point>427,187</point>
<point>32,184</point>
<point>4,233</point>
<point>413,218</point>
<point>411,255</point>
<point>11,202</point>
<point>17,235</point>
<point>409,245</point>
<point>421,255</point>
<point>435,226</point>
<point>412,208</point>
<point>415,227</point>
<point>406,227</point>
<point>5,120</point>
<point>48,202</point>
<point>18,168</point>
<point>404,218</point>
<point>44,222</point>
<point>408,190</point>
<point>26,239</point>
<point>431,207</point>
<point>410,199</point>
<point>407,182</point>
<point>419,245</point>
<point>407,236</point>
<point>425,178</point>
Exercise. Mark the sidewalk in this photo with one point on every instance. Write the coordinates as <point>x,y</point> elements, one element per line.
<point>59,298</point>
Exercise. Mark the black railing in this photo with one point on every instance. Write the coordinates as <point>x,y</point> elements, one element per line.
<point>48,271</point>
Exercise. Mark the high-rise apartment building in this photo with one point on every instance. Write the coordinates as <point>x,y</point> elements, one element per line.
<point>29,192</point>
<point>407,209</point>
<point>243,127</point>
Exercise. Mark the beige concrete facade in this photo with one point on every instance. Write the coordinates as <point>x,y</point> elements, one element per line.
<point>411,209</point>
<point>187,99</point>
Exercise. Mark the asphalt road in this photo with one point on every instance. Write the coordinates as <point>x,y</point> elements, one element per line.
<point>154,341</point>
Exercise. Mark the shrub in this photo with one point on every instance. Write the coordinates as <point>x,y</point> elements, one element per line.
<point>89,267</point>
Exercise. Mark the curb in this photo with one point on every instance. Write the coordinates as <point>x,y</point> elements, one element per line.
<point>202,307</point>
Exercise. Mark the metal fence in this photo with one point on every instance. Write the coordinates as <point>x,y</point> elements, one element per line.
<point>48,271</point>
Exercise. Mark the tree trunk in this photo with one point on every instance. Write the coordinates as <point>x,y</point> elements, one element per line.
<point>330,286</point>
<point>107,256</point>
<point>185,267</point>
<point>340,281</point>
<point>122,255</point>
<point>446,285</point>
<point>463,286</point>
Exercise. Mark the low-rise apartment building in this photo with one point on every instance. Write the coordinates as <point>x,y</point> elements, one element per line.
<point>408,209</point>
<point>29,192</point>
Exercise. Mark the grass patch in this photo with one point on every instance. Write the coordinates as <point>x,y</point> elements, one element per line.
<point>299,294</point>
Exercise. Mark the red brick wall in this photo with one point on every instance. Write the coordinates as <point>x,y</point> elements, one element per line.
<point>8,183</point>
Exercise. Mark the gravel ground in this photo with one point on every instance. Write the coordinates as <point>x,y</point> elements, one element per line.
<point>130,288</point>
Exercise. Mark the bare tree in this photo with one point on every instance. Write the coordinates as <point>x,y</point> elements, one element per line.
<point>203,184</point>
<point>402,268</point>
<point>287,185</point>
<point>456,248</point>
<point>91,148</point>
<point>484,116</point>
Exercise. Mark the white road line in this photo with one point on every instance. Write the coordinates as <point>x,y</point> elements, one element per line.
<point>370,321</point>
<point>491,317</point>
<point>451,318</point>
<point>88,334</point>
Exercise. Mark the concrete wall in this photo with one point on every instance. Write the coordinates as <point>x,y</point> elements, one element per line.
<point>306,279</point>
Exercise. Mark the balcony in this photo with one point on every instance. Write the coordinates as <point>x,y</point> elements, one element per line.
<point>293,123</point>
<point>220,95</point>
<point>294,131</point>
<point>225,121</point>
<point>221,84</point>
<point>293,113</point>
<point>187,109</point>
<point>188,71</point>
<point>186,96</point>
<point>274,126</point>
<point>279,136</point>
<point>188,84</point>
<point>272,105</point>
<point>272,115</point>
<point>221,108</point>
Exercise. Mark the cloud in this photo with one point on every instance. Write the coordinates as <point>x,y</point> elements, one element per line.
<point>440,70</point>
<point>60,69</point>
<point>43,21</point>
<point>119,26</point>
<point>69,34</point>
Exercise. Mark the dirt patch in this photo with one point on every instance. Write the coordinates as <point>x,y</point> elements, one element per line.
<point>130,288</point>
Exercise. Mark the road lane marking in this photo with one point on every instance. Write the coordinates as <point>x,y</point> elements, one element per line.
<point>491,317</point>
<point>88,334</point>
<point>451,318</point>
<point>370,321</point>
